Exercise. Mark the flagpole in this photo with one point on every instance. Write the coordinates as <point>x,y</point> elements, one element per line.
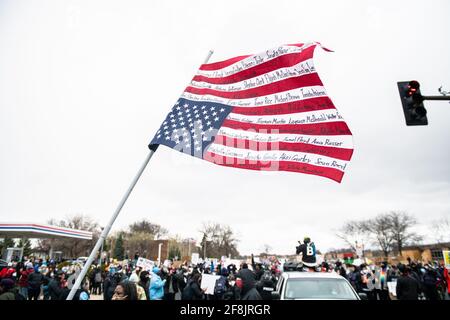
<point>108,227</point>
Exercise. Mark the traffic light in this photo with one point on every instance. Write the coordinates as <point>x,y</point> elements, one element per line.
<point>412,101</point>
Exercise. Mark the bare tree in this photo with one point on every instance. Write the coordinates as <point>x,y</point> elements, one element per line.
<point>400,224</point>
<point>145,226</point>
<point>353,232</point>
<point>218,240</point>
<point>73,248</point>
<point>441,230</point>
<point>380,230</point>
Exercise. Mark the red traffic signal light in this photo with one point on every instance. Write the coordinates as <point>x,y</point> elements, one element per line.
<point>412,102</point>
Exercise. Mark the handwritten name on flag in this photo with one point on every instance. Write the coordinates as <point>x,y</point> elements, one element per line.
<point>267,111</point>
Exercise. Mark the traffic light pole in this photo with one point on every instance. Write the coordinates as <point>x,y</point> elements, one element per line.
<point>436,97</point>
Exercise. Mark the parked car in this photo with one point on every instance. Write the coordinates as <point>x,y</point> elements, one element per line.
<point>314,286</point>
<point>81,260</point>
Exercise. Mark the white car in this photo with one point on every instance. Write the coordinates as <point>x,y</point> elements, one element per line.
<point>298,285</point>
<point>81,260</point>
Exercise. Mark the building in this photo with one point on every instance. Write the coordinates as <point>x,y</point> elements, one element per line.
<point>424,252</point>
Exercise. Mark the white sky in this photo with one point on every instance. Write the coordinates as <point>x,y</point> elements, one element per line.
<point>84,85</point>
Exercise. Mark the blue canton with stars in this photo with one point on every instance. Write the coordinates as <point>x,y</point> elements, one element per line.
<point>190,127</point>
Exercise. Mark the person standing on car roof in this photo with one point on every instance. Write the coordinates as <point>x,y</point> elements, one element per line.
<point>308,251</point>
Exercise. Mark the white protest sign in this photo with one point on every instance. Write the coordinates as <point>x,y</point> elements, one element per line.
<point>194,258</point>
<point>208,282</point>
<point>145,264</point>
<point>392,286</point>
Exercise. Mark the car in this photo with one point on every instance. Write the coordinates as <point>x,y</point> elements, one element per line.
<point>297,285</point>
<point>81,260</point>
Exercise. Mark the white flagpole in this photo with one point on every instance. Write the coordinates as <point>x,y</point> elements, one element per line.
<point>108,227</point>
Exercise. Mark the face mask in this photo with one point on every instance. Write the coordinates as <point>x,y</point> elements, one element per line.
<point>232,283</point>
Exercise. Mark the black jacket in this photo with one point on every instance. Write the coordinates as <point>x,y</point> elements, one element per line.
<point>192,291</point>
<point>248,280</point>
<point>252,294</point>
<point>265,288</point>
<point>54,289</point>
<point>35,279</point>
<point>407,288</point>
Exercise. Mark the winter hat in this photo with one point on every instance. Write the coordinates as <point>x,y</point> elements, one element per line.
<point>156,270</point>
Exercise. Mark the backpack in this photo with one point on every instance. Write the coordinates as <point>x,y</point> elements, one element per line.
<point>221,286</point>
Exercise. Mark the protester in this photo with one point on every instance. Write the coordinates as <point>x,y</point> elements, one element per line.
<point>35,281</point>
<point>430,281</point>
<point>248,279</point>
<point>192,290</point>
<point>141,295</point>
<point>266,285</point>
<point>7,289</point>
<point>407,287</point>
<point>233,291</point>
<point>56,286</point>
<point>156,285</point>
<point>23,280</point>
<point>381,288</point>
<point>171,284</point>
<point>125,290</point>
<point>97,278</point>
<point>144,283</point>
<point>221,284</point>
<point>112,280</point>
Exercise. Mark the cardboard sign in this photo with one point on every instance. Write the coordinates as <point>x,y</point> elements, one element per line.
<point>208,282</point>
<point>145,264</point>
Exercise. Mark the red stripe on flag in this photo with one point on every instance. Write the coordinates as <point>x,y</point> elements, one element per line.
<point>222,64</point>
<point>313,104</point>
<point>318,129</point>
<point>331,173</point>
<point>283,61</point>
<point>332,152</point>
<point>275,87</point>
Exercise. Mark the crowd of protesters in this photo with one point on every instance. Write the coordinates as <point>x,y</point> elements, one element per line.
<point>35,279</point>
<point>413,280</point>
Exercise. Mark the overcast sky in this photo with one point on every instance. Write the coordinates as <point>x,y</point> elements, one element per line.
<point>84,85</point>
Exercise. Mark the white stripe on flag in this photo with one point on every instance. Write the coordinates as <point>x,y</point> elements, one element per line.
<point>250,62</point>
<point>272,99</point>
<point>278,155</point>
<point>311,117</point>
<point>342,141</point>
<point>297,70</point>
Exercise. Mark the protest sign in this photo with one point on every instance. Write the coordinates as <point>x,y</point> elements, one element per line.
<point>208,282</point>
<point>392,287</point>
<point>446,255</point>
<point>194,258</point>
<point>145,264</point>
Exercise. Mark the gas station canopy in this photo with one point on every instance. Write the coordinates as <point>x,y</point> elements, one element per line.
<point>40,231</point>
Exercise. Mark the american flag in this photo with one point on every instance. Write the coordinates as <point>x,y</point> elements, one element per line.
<point>267,111</point>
